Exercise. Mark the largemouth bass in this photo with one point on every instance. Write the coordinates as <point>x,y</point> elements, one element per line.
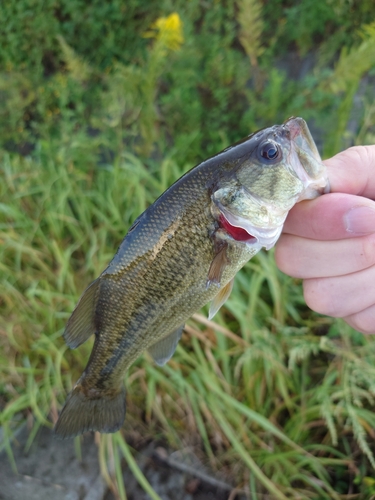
<point>181,253</point>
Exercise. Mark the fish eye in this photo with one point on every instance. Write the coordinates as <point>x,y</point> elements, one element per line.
<point>269,151</point>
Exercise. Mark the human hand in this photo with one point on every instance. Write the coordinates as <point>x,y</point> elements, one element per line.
<point>329,242</point>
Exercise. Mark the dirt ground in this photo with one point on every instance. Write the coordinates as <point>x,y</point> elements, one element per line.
<point>50,470</point>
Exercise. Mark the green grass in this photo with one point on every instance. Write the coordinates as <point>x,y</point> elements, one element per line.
<point>276,398</point>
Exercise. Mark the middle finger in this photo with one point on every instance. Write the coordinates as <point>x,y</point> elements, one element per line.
<point>305,258</point>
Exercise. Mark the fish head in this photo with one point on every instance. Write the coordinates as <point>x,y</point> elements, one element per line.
<point>280,167</point>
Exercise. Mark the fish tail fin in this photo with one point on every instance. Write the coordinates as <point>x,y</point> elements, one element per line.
<point>104,413</point>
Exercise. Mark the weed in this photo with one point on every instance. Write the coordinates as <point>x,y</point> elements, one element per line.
<point>96,121</point>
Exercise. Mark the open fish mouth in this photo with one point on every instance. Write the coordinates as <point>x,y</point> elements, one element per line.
<point>285,167</point>
<point>241,229</point>
<point>305,159</point>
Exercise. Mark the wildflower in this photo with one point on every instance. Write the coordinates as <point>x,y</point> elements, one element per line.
<point>168,30</point>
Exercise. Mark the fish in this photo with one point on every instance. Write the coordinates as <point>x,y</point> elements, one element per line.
<point>180,254</point>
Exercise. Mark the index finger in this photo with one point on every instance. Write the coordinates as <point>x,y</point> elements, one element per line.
<point>352,181</point>
<point>353,171</point>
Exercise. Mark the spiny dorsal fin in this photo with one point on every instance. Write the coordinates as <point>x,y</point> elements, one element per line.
<point>81,324</point>
<point>220,298</point>
<point>164,349</point>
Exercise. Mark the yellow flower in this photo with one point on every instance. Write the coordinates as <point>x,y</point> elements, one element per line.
<point>168,31</point>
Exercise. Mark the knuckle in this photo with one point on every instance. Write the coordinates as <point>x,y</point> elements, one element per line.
<point>315,227</point>
<point>320,298</point>
<point>283,254</point>
<point>366,253</point>
<point>363,321</point>
<point>362,155</point>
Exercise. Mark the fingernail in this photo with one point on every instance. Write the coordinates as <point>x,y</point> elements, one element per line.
<point>360,220</point>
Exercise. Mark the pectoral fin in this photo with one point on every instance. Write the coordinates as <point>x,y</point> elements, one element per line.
<point>164,349</point>
<point>217,266</point>
<point>220,298</point>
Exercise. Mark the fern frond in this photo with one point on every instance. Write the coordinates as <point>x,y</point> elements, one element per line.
<point>252,27</point>
<point>303,350</point>
<point>327,414</point>
<point>350,68</point>
<point>122,100</point>
<point>76,66</point>
<point>360,433</point>
<point>353,63</point>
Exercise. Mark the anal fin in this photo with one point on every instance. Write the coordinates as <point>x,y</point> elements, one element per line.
<point>163,349</point>
<point>220,298</point>
<point>81,324</point>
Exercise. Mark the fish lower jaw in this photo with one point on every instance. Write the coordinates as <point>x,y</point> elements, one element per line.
<point>315,188</point>
<point>242,230</point>
<point>267,238</point>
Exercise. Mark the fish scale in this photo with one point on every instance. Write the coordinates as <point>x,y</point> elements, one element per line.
<point>181,253</point>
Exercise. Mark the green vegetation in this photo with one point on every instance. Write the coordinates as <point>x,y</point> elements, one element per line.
<point>103,106</point>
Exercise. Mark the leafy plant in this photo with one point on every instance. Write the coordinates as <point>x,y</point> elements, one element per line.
<point>112,104</point>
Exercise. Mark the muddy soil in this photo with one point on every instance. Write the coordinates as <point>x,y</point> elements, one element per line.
<point>50,470</point>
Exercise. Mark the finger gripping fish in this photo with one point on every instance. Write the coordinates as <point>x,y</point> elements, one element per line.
<point>180,254</point>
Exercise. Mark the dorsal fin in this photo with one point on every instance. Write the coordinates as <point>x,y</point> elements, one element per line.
<point>81,324</point>
<point>163,350</point>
